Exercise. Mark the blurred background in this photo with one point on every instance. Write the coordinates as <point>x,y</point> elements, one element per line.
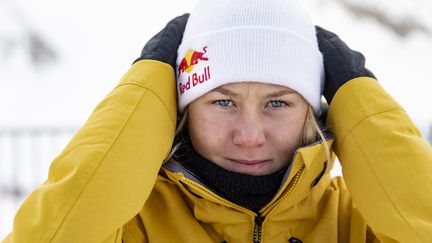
<point>58,59</point>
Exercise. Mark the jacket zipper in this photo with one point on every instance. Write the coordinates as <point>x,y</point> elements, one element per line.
<point>233,205</point>
<point>259,219</point>
<point>290,190</point>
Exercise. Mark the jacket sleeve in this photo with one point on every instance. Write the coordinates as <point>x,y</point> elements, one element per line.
<point>105,174</point>
<point>386,164</point>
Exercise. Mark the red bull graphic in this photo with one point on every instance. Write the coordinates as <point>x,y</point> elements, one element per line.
<point>187,65</point>
<point>191,59</point>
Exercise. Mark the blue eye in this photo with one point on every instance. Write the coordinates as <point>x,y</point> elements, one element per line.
<point>277,103</point>
<point>224,103</point>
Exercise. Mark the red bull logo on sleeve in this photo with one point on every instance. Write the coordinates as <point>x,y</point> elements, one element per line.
<point>195,74</point>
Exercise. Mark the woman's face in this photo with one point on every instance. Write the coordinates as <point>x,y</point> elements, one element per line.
<point>249,128</point>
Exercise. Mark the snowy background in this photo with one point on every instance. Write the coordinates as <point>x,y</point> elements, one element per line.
<point>84,47</point>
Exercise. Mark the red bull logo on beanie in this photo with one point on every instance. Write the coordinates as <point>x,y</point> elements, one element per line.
<point>195,74</point>
<point>191,59</point>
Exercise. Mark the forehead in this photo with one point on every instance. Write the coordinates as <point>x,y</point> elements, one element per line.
<point>243,88</point>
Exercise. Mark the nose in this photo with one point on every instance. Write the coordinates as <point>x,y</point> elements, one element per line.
<point>249,130</point>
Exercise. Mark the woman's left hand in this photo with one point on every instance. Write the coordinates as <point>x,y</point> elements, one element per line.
<point>341,63</point>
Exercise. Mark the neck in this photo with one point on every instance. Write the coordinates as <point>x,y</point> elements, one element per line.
<point>252,192</point>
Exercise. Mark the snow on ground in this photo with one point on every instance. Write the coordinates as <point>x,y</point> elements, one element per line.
<point>98,40</point>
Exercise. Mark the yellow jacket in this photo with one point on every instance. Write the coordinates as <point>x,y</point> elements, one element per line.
<point>109,185</point>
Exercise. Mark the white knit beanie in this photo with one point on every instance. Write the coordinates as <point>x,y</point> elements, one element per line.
<point>267,41</point>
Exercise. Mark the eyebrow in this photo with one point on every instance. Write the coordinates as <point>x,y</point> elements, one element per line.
<point>227,92</point>
<point>279,93</point>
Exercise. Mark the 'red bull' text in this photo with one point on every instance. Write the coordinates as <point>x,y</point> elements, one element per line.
<point>194,80</point>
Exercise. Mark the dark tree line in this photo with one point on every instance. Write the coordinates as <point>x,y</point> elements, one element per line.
<point>40,52</point>
<point>402,25</point>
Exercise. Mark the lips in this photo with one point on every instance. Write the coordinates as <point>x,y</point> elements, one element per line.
<point>248,162</point>
<point>251,167</point>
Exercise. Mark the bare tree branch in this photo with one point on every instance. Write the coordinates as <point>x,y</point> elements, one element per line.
<point>12,191</point>
<point>404,27</point>
<point>39,51</point>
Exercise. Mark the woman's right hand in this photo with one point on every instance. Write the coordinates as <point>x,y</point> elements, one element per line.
<point>105,174</point>
<point>163,46</point>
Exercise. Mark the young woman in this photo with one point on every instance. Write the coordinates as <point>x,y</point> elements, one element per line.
<point>251,156</point>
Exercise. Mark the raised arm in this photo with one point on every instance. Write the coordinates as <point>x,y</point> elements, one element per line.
<point>105,174</point>
<point>386,164</point>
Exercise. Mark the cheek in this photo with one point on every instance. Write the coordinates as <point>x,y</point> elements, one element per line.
<point>287,134</point>
<point>208,134</point>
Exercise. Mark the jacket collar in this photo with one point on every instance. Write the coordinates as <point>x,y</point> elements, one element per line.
<point>309,165</point>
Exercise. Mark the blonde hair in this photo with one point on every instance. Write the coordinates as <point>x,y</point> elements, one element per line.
<point>181,123</point>
<point>311,132</point>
